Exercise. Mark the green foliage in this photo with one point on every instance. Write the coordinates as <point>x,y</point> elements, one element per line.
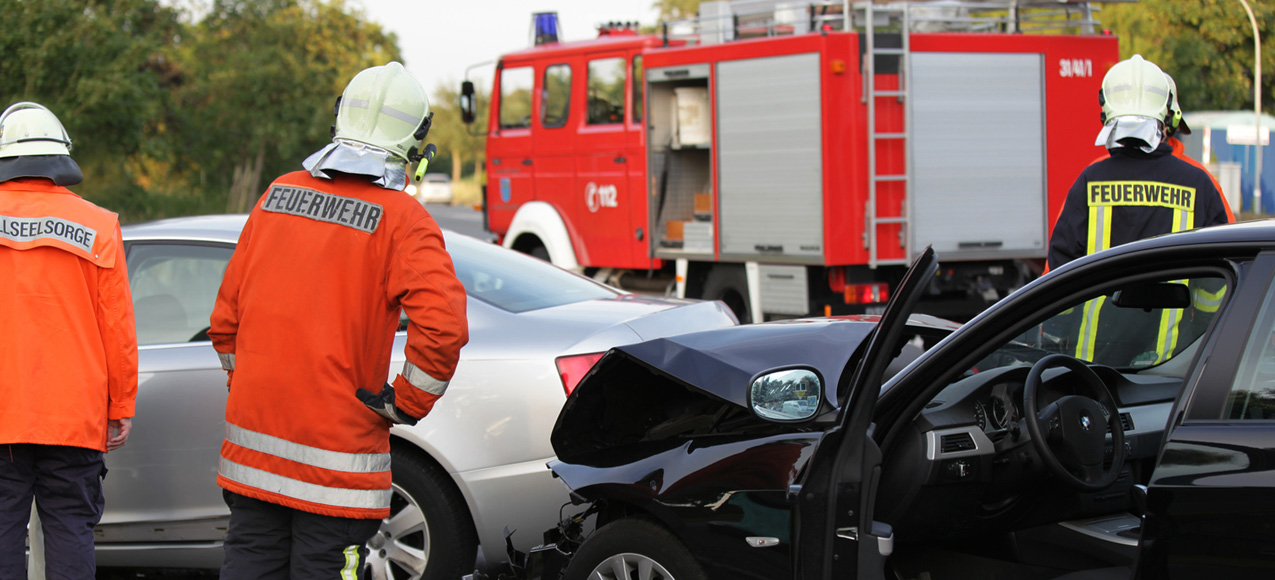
<point>170,117</point>
<point>260,81</point>
<point>104,68</point>
<point>1206,45</point>
<point>460,146</point>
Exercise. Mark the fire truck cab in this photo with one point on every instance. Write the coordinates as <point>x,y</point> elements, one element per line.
<point>791,159</point>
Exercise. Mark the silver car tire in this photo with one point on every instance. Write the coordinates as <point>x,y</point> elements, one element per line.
<point>633,549</point>
<point>429,534</point>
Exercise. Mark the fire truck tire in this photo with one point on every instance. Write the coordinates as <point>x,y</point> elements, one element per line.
<point>429,534</point>
<point>729,283</point>
<point>540,252</point>
<point>618,550</point>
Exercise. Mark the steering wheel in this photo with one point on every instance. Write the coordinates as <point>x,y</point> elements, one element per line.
<point>1067,434</point>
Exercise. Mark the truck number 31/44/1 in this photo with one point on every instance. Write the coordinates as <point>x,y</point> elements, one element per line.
<point>1075,67</point>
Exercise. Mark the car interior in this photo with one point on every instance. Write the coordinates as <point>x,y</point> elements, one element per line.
<point>1005,469</point>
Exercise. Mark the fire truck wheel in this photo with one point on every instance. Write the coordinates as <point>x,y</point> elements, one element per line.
<point>540,252</point>
<point>625,548</point>
<point>729,283</point>
<point>429,534</point>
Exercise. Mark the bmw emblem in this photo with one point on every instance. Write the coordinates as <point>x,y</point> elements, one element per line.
<point>1084,422</point>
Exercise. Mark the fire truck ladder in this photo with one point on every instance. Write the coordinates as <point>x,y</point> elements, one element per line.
<point>871,213</point>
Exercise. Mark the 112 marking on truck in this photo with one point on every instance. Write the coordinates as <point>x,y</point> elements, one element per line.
<point>791,158</point>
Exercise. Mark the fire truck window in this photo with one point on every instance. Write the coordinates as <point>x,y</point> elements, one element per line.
<point>638,80</point>
<point>557,95</point>
<point>515,97</point>
<point>606,91</point>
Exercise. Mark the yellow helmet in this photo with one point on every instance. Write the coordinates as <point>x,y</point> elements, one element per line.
<point>383,106</point>
<point>1135,87</point>
<point>28,128</point>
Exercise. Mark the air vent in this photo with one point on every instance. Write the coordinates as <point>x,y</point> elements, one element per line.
<point>1126,422</point>
<point>957,442</point>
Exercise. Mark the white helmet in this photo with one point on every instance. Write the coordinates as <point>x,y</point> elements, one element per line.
<point>1135,87</point>
<point>384,107</point>
<point>28,128</point>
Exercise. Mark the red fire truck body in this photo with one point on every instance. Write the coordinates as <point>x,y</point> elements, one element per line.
<point>779,175</point>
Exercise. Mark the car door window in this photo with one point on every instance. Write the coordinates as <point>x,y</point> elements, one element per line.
<point>1129,335</point>
<point>1253,392</point>
<point>174,287</point>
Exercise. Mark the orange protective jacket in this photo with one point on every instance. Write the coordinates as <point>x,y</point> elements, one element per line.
<point>306,315</point>
<point>68,350</point>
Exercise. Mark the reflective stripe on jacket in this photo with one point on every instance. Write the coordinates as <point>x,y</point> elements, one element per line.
<point>68,352</point>
<point>306,315</point>
<point>1130,195</point>
<point>1125,197</point>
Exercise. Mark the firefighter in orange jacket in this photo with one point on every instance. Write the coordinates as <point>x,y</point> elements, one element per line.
<point>68,349</point>
<point>304,324</point>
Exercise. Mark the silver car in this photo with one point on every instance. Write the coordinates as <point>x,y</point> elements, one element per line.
<point>475,465</point>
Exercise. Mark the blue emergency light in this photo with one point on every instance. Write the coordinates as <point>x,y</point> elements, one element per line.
<point>544,28</point>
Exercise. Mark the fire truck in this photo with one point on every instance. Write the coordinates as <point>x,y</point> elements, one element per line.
<point>790,158</point>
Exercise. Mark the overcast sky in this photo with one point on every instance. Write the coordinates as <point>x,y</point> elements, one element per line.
<point>440,39</point>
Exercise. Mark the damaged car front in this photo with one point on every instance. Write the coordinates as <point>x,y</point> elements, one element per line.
<point>705,436</point>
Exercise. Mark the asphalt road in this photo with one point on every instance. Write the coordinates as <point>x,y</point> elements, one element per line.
<point>461,219</point>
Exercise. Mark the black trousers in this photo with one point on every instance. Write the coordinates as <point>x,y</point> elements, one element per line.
<point>268,541</point>
<point>66,483</point>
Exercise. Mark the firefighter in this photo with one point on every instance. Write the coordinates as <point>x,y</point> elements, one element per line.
<point>304,323</point>
<point>68,347</point>
<point>1140,189</point>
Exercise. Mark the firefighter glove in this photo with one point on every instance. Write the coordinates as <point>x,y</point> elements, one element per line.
<point>383,404</point>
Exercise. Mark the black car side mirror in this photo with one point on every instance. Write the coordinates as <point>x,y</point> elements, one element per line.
<point>467,106</point>
<point>1153,295</point>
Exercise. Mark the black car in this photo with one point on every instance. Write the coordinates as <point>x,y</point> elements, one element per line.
<point>1113,419</point>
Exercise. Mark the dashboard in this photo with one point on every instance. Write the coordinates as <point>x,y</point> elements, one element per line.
<point>968,458</point>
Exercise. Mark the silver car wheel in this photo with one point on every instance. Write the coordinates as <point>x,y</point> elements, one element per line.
<point>629,567</point>
<point>400,549</point>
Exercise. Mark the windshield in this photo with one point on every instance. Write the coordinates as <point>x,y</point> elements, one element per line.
<point>516,282</point>
<point>1132,328</point>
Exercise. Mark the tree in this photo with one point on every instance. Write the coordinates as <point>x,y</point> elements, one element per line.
<point>460,142</point>
<point>1206,45</point>
<point>260,81</point>
<point>105,68</point>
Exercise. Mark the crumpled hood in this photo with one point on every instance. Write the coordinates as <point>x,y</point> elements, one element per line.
<point>724,362</point>
<point>640,398</point>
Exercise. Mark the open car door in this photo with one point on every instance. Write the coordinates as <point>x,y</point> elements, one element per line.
<point>835,534</point>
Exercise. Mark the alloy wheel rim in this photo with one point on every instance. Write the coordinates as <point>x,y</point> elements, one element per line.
<point>400,548</point>
<point>629,566</point>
